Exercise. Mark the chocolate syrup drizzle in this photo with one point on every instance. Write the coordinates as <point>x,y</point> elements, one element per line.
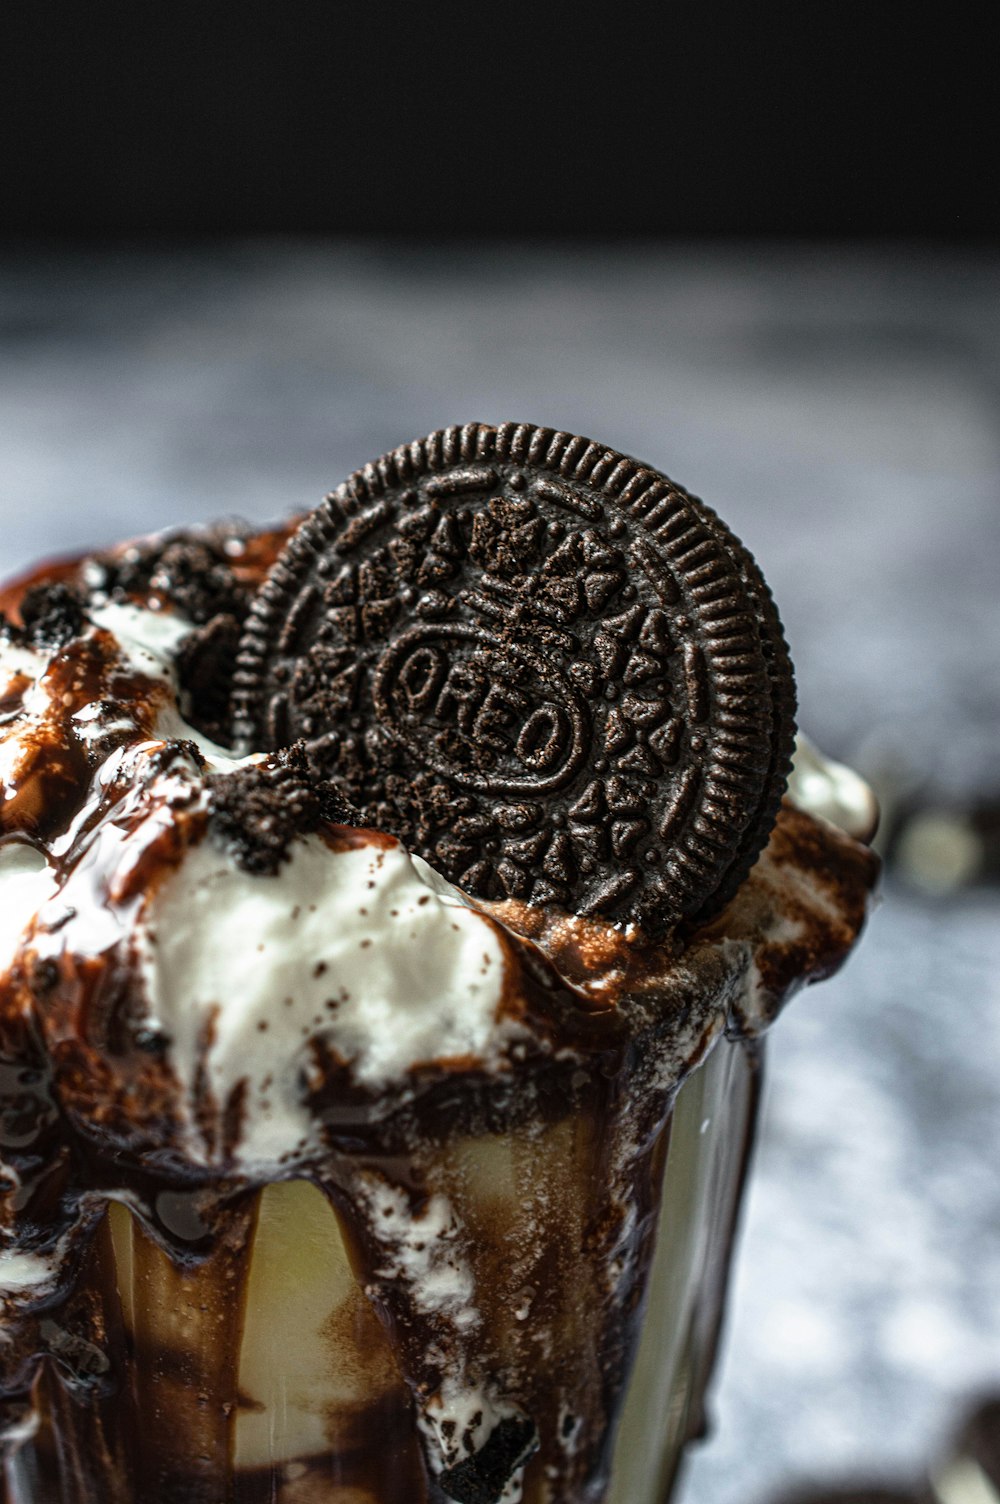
<point>94,1178</point>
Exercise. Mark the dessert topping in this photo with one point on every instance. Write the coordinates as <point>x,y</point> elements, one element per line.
<point>545,667</point>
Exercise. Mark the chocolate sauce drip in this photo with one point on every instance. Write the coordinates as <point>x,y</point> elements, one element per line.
<point>611,1127</point>
<point>499,1227</point>
<point>207,575</point>
<point>192,1391</point>
<point>82,1381</point>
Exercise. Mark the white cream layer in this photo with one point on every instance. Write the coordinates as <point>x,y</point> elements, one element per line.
<point>830,791</point>
<point>354,948</point>
<point>369,949</point>
<point>26,881</point>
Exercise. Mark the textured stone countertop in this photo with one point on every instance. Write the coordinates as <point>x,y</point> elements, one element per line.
<point>840,409</point>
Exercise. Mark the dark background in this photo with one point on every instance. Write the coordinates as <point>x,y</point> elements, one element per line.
<point>689,117</point>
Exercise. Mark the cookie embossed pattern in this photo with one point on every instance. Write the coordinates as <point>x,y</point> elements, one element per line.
<point>547,668</point>
<point>393,906</point>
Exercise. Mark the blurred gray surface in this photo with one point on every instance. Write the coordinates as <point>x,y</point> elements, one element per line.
<point>840,409</point>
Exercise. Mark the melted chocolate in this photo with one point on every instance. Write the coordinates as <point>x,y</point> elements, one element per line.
<point>128,1355</point>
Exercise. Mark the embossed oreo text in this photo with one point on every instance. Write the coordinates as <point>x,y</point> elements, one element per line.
<point>474,708</point>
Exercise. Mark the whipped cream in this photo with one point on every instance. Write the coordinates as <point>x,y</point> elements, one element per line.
<point>354,947</point>
<point>352,951</point>
<point>364,948</point>
<point>204,998</point>
<point>831,791</point>
<point>26,882</point>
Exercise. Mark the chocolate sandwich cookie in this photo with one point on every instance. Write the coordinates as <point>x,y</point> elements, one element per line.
<point>547,668</point>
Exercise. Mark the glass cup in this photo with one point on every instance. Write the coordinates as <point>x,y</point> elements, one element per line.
<point>269,1368</point>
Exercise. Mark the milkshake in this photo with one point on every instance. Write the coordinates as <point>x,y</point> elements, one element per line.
<point>393,907</point>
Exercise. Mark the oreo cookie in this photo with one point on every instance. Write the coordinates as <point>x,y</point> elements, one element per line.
<point>544,666</point>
